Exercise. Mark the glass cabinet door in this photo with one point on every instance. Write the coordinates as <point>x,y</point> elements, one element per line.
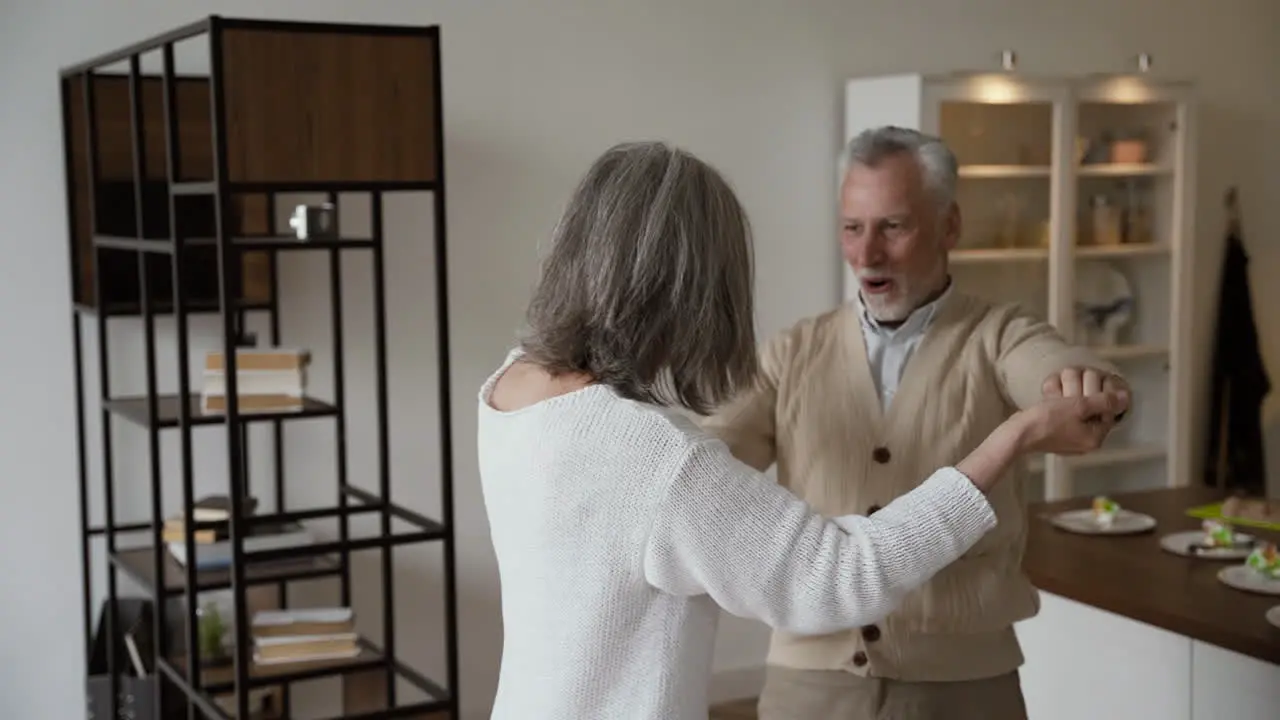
<point>1002,130</point>
<point>1128,175</point>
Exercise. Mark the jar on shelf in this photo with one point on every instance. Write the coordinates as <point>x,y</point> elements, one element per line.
<point>1106,221</point>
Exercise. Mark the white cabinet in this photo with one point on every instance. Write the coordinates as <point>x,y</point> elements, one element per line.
<point>1226,684</point>
<point>1082,662</point>
<point>1076,199</point>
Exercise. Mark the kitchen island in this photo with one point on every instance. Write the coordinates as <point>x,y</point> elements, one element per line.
<point>1128,630</point>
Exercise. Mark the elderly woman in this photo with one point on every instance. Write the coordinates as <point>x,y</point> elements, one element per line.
<point>620,528</point>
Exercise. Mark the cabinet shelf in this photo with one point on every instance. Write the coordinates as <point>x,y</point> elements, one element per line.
<point>1107,456</point>
<point>1131,352</point>
<point>999,255</point>
<point>1108,252</point>
<point>168,409</point>
<point>1120,170</point>
<point>287,243</point>
<point>1005,171</point>
<point>139,564</point>
<point>220,679</point>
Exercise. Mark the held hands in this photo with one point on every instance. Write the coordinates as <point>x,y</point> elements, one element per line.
<point>1070,425</point>
<point>1080,407</point>
<point>1075,382</point>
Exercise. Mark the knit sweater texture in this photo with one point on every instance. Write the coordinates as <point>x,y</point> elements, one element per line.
<point>817,416</point>
<point>620,529</point>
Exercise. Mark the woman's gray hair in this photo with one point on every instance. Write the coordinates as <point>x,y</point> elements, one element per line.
<point>938,165</point>
<point>648,283</point>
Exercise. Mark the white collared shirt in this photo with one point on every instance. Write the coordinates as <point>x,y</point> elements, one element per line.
<point>889,348</point>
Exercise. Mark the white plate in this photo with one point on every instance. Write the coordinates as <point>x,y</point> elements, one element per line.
<point>1125,522</point>
<point>1273,616</point>
<point>1243,577</point>
<point>1179,543</point>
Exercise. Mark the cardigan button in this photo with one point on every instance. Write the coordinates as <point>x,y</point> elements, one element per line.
<point>881,455</point>
<point>859,659</point>
<point>871,633</point>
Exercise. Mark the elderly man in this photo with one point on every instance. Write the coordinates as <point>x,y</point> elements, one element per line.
<point>858,403</point>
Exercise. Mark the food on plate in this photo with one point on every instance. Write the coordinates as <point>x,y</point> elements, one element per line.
<point>1104,510</point>
<point>1266,560</point>
<point>1218,534</point>
<point>1252,509</point>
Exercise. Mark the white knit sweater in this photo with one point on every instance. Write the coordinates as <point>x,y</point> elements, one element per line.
<point>619,527</point>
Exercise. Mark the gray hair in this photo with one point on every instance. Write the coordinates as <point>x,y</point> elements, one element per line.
<point>938,165</point>
<point>647,286</point>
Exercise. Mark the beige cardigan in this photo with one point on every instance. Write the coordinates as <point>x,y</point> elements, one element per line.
<point>816,414</point>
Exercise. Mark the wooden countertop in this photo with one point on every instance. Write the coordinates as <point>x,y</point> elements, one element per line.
<point>1130,575</point>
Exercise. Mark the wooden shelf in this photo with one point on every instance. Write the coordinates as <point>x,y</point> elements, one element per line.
<point>1005,171</point>
<point>221,678</point>
<point>1095,252</point>
<point>1131,352</point>
<point>1107,456</point>
<point>998,255</point>
<point>138,563</point>
<point>1122,170</point>
<point>134,409</point>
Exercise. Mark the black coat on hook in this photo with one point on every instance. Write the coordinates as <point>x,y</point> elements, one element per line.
<point>1235,459</point>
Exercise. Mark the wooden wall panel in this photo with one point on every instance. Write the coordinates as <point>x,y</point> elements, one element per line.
<point>115,130</point>
<point>115,165</point>
<point>329,107</point>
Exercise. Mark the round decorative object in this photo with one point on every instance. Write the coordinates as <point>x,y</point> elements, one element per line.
<point>1125,522</point>
<point>1273,616</point>
<point>1191,543</point>
<point>1104,304</point>
<point>1243,577</point>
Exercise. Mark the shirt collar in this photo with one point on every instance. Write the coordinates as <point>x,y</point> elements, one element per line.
<point>917,321</point>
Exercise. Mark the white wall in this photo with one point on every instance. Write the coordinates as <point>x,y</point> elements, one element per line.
<point>534,90</point>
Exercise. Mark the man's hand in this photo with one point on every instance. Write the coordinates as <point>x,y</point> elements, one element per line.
<point>1077,381</point>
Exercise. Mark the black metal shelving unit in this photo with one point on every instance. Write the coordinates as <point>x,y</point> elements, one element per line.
<point>172,183</point>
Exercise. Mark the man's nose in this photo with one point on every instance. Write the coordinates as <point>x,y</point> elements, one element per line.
<point>870,250</point>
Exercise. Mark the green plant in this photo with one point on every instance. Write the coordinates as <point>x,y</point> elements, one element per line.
<point>211,631</point>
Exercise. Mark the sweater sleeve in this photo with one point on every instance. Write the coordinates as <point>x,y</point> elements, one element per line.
<point>724,530</point>
<point>747,424</point>
<point>1029,350</point>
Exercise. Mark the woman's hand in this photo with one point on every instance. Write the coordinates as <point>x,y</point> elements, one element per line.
<point>1069,425</point>
<point>1061,425</point>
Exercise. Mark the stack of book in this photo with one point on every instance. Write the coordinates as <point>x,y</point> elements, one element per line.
<point>267,380</point>
<point>304,635</point>
<point>212,533</point>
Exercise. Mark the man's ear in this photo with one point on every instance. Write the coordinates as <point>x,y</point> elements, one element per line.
<point>951,227</point>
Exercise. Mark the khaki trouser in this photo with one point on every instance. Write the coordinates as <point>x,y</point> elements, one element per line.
<point>835,695</point>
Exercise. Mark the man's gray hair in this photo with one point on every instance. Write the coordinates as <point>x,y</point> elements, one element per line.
<point>938,164</point>
<point>647,286</point>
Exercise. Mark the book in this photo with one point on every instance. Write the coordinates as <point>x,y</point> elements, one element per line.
<point>267,380</point>
<point>306,622</point>
<point>259,537</point>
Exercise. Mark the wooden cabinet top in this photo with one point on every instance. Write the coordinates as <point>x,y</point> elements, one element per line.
<point>1133,577</point>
